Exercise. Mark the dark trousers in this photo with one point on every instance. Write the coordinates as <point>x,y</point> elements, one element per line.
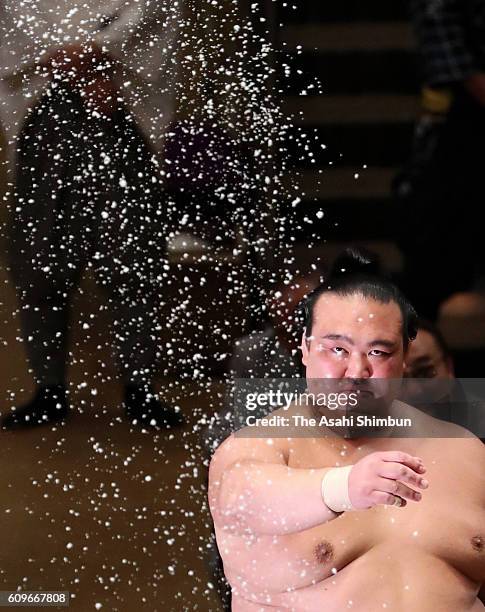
<point>442,235</point>
<point>87,196</point>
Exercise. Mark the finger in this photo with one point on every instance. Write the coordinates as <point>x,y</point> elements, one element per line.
<point>399,471</point>
<point>387,499</point>
<point>415,463</point>
<point>398,489</point>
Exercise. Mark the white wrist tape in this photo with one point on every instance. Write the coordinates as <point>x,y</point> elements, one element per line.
<point>335,489</point>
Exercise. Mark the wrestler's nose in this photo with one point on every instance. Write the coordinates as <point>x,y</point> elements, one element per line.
<point>358,366</point>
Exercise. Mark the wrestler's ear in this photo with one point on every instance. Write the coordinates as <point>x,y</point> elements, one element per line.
<point>304,348</point>
<point>406,351</point>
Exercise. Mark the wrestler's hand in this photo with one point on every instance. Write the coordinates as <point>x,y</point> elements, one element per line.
<point>383,478</point>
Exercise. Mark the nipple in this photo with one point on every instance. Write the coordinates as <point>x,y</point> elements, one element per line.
<point>478,543</point>
<point>323,552</point>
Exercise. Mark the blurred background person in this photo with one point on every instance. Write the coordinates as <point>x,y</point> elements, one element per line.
<point>430,381</point>
<point>444,211</point>
<point>86,96</point>
<point>428,355</point>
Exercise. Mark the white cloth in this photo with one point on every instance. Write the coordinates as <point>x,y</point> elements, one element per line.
<point>141,34</point>
<point>335,489</point>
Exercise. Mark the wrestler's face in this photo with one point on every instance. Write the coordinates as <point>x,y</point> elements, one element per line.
<point>354,338</point>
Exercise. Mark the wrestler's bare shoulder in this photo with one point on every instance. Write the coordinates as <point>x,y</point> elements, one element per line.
<point>449,445</point>
<point>464,455</point>
<point>248,444</point>
<point>234,452</point>
<point>259,441</point>
<point>427,426</point>
<point>257,448</point>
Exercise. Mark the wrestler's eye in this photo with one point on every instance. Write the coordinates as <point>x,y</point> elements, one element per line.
<point>338,350</point>
<point>378,353</point>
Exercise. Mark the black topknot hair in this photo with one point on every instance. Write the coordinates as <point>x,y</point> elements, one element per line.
<point>358,271</point>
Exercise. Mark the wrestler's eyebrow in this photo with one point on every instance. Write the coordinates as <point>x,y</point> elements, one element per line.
<point>387,343</point>
<point>338,337</point>
<point>379,342</point>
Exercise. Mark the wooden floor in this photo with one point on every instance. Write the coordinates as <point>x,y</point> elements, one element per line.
<point>113,515</point>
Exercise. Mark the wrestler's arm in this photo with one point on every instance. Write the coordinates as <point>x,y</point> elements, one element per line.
<point>252,487</point>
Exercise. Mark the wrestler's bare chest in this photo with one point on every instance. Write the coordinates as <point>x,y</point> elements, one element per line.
<point>448,525</point>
